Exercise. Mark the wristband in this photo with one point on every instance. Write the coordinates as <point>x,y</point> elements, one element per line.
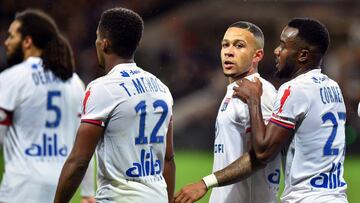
<point>210,181</point>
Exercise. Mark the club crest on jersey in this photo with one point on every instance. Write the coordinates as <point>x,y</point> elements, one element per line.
<point>225,104</point>
<point>147,166</point>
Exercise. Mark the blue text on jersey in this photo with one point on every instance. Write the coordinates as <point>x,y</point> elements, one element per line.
<point>48,147</point>
<point>329,180</point>
<point>143,85</point>
<point>147,166</point>
<point>330,95</point>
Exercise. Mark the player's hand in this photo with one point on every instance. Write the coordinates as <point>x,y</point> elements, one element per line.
<point>191,193</point>
<point>246,90</point>
<point>90,199</point>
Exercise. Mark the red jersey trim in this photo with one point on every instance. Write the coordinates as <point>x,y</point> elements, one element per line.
<point>282,124</point>
<point>6,118</point>
<point>87,95</point>
<point>94,122</point>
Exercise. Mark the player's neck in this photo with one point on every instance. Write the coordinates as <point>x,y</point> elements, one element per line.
<point>250,71</point>
<point>32,52</point>
<point>306,68</point>
<point>113,60</point>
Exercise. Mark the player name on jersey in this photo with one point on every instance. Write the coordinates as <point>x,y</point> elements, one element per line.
<point>143,85</point>
<point>330,95</point>
<point>41,77</point>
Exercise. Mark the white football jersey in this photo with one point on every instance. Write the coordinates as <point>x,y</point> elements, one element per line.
<point>135,109</point>
<point>313,106</point>
<point>42,114</point>
<point>233,139</point>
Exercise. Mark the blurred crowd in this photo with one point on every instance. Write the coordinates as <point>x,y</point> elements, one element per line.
<point>181,45</point>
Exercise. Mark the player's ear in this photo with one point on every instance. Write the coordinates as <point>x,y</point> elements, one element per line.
<point>27,42</point>
<point>258,56</point>
<point>106,46</point>
<point>303,56</point>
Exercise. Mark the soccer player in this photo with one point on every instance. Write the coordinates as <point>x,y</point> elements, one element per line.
<point>40,102</point>
<point>127,117</point>
<point>241,51</point>
<point>308,120</point>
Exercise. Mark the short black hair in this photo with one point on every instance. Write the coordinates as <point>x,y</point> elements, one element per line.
<point>123,27</point>
<point>56,54</point>
<point>254,29</point>
<point>313,32</point>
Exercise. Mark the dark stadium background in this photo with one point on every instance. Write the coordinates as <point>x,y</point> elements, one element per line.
<point>181,45</point>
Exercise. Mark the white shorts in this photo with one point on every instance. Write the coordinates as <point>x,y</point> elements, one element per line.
<point>326,199</point>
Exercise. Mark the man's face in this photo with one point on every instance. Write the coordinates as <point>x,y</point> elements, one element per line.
<point>286,53</point>
<point>13,44</point>
<point>238,49</point>
<point>99,50</point>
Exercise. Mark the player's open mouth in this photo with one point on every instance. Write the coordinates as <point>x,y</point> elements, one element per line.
<point>228,64</point>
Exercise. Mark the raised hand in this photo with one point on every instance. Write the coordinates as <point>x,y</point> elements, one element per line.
<point>247,90</point>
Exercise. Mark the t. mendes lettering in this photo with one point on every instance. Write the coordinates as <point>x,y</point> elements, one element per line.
<point>142,85</point>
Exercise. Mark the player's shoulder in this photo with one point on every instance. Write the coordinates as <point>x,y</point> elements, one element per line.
<point>158,79</point>
<point>267,85</point>
<point>76,81</point>
<point>21,71</point>
<point>98,82</point>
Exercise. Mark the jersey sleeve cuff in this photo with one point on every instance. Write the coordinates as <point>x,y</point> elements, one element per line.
<point>93,122</point>
<point>283,124</point>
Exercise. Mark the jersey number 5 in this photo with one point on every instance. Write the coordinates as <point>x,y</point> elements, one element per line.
<point>154,138</point>
<point>54,108</point>
<point>329,116</point>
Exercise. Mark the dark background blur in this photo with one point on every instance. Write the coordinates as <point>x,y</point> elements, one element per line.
<point>181,45</point>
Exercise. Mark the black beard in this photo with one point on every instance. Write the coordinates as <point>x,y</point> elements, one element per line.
<point>16,57</point>
<point>287,71</point>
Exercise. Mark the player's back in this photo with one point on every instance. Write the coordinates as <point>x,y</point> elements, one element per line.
<point>314,161</point>
<point>44,118</point>
<point>135,108</point>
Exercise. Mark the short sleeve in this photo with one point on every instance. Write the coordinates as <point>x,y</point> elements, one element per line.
<point>97,105</point>
<point>10,90</point>
<point>267,101</point>
<point>291,105</point>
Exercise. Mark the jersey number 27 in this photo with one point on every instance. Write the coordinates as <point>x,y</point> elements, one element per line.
<point>329,116</point>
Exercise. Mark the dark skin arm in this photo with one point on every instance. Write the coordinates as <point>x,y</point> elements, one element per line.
<point>169,166</point>
<point>267,142</point>
<point>75,166</point>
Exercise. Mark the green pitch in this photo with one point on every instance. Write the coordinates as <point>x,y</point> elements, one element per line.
<point>191,166</point>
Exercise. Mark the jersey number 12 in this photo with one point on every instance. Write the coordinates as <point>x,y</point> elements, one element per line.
<point>154,138</point>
